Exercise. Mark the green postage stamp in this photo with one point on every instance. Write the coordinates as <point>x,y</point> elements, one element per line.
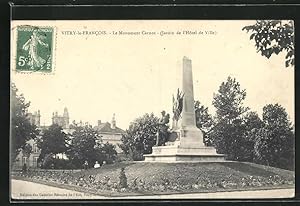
<point>34,49</point>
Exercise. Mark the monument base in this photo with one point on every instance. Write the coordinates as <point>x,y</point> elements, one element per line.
<point>174,153</point>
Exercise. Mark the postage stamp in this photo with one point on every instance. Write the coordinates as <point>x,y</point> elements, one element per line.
<point>34,49</point>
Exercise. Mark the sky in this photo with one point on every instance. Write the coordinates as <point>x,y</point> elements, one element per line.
<point>130,75</point>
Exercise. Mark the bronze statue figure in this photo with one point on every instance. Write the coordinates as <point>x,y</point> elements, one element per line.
<point>162,125</point>
<point>177,105</point>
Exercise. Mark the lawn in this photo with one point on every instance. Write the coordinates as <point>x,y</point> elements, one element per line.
<point>163,178</point>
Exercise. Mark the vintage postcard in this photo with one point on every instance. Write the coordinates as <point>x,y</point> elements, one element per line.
<point>152,109</point>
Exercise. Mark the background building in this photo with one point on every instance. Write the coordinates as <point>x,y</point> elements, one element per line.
<point>110,133</point>
<point>35,118</point>
<point>31,160</point>
<point>63,120</point>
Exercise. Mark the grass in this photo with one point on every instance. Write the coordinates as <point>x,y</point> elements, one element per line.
<point>185,174</point>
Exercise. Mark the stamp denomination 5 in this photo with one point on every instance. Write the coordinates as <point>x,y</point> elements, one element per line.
<point>34,49</point>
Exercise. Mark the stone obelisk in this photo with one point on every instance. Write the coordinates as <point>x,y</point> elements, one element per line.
<point>190,135</point>
<point>186,140</point>
<point>188,111</point>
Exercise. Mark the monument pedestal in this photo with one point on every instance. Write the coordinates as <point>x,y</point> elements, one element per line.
<point>178,152</point>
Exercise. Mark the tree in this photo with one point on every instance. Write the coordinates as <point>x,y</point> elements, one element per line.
<point>274,36</point>
<point>86,145</point>
<point>228,128</point>
<point>83,146</point>
<point>204,121</point>
<point>141,136</point>
<point>110,152</point>
<point>21,129</point>
<point>275,141</point>
<point>53,141</point>
<point>252,124</point>
<point>26,151</point>
<point>252,121</point>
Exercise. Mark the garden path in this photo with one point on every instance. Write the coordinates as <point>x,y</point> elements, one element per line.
<point>28,190</point>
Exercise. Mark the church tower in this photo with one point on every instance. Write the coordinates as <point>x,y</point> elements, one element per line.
<point>113,122</point>
<point>38,118</point>
<point>66,117</point>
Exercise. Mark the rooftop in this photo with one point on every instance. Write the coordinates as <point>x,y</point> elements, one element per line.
<point>106,128</point>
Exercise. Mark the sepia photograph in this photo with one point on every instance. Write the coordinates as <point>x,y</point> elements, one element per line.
<point>152,109</point>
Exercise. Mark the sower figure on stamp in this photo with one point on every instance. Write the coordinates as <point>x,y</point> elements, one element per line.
<point>162,129</point>
<point>35,61</point>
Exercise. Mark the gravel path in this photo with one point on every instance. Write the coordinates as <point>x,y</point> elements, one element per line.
<point>28,190</point>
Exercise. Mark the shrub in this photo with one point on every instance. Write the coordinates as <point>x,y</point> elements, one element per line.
<point>47,161</point>
<point>50,162</point>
